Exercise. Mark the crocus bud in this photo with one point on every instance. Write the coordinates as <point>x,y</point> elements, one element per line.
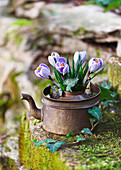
<point>82,55</point>
<point>95,64</point>
<point>53,58</point>
<point>61,66</point>
<point>42,71</point>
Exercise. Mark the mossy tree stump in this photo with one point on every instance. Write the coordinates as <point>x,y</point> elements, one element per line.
<point>114,73</point>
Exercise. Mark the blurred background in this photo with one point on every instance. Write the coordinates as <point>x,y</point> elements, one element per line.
<point>31,29</point>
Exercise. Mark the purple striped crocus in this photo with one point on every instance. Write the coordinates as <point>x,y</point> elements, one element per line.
<point>95,64</point>
<point>53,58</point>
<point>61,66</point>
<point>43,71</point>
<point>82,55</point>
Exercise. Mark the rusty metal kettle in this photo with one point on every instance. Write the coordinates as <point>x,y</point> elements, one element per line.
<point>66,113</point>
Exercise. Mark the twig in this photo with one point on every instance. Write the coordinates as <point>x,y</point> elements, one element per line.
<point>94,126</point>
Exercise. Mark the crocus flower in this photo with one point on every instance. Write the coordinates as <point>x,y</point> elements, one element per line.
<point>82,55</point>
<point>43,71</point>
<point>61,66</point>
<point>53,58</point>
<point>95,64</point>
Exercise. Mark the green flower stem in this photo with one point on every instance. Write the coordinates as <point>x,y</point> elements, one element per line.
<point>50,78</point>
<point>86,78</point>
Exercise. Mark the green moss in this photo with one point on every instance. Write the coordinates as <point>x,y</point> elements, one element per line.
<point>34,157</point>
<point>7,164</point>
<point>22,22</point>
<point>15,34</point>
<point>102,151</point>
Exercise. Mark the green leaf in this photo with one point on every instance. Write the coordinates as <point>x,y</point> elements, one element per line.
<point>56,92</point>
<point>56,75</point>
<point>54,147</point>
<point>87,131</point>
<point>106,94</point>
<point>95,111</point>
<point>80,74</point>
<point>43,141</point>
<point>114,94</point>
<point>35,121</point>
<point>70,83</point>
<point>85,69</point>
<point>69,134</point>
<point>78,138</point>
<point>67,61</point>
<point>77,69</point>
<point>105,103</point>
<point>93,119</point>
<point>105,85</point>
<point>105,112</point>
<point>93,76</point>
<point>114,4</point>
<point>60,78</point>
<point>73,70</point>
<point>62,87</point>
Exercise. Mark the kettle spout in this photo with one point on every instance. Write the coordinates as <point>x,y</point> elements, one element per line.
<point>35,112</point>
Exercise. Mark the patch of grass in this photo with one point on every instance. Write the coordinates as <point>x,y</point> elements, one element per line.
<point>103,150</point>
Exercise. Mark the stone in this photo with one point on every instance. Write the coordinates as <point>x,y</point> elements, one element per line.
<point>28,88</point>
<point>5,72</point>
<point>33,11</point>
<point>94,21</point>
<point>10,123</point>
<point>10,149</point>
<point>4,3</point>
<point>60,18</point>
<point>95,24</point>
<point>4,24</point>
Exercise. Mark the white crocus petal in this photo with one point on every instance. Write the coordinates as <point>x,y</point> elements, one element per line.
<point>91,62</point>
<point>76,55</point>
<point>56,55</point>
<point>51,60</point>
<point>66,69</point>
<point>82,55</point>
<point>36,72</point>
